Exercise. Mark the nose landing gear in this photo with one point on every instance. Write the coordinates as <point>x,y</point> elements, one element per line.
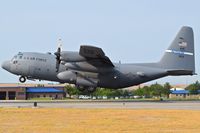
<point>22,79</point>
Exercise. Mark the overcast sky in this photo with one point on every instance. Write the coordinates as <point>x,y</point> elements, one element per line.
<point>127,30</point>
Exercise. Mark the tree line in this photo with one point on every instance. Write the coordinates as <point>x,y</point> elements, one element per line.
<point>154,90</point>
<point>194,88</point>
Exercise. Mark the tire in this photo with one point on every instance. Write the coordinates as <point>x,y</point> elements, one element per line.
<point>22,79</point>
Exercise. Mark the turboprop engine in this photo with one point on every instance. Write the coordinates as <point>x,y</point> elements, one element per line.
<point>66,56</point>
<point>82,83</point>
<point>67,76</point>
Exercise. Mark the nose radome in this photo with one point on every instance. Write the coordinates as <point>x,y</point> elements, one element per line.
<point>6,65</point>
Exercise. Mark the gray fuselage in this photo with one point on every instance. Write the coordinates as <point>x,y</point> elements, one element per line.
<point>43,67</point>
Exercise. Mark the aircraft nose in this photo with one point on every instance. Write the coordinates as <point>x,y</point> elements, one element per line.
<point>6,65</point>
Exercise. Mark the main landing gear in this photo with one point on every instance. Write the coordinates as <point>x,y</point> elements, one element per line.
<point>22,79</point>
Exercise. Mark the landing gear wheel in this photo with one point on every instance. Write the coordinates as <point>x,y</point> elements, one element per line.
<point>22,79</point>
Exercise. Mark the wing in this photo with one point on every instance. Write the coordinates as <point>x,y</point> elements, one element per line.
<point>95,56</point>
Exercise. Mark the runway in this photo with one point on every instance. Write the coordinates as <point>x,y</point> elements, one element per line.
<point>182,105</point>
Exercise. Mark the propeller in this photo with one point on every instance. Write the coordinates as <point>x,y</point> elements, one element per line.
<point>58,55</point>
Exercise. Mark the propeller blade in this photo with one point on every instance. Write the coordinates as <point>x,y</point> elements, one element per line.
<point>58,54</point>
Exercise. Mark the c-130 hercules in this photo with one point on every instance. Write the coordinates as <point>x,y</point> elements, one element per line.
<point>91,68</point>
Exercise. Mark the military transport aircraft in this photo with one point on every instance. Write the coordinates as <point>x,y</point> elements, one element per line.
<point>91,68</point>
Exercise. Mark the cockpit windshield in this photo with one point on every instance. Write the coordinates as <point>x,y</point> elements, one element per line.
<point>18,56</point>
<point>14,58</point>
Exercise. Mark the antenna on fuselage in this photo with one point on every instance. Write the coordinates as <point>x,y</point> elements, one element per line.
<point>58,54</point>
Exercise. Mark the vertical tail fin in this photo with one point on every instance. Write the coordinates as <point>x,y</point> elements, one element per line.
<point>179,58</point>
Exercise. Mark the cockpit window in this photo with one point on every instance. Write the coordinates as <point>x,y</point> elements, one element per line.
<point>20,55</point>
<point>14,58</point>
<point>15,62</point>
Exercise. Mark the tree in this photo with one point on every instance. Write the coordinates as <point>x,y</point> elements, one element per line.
<point>139,92</point>
<point>110,92</point>
<point>144,91</point>
<point>117,93</point>
<point>125,93</point>
<point>147,91</point>
<point>71,90</point>
<point>156,89</point>
<point>193,88</point>
<point>102,92</point>
<point>167,88</point>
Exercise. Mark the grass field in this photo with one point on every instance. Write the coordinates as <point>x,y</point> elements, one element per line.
<point>52,120</point>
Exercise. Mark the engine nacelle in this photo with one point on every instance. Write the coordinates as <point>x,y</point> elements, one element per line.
<point>71,77</point>
<point>86,89</point>
<point>69,56</point>
<point>67,76</point>
<point>86,82</point>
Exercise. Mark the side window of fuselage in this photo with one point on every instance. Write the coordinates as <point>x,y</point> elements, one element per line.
<point>32,58</point>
